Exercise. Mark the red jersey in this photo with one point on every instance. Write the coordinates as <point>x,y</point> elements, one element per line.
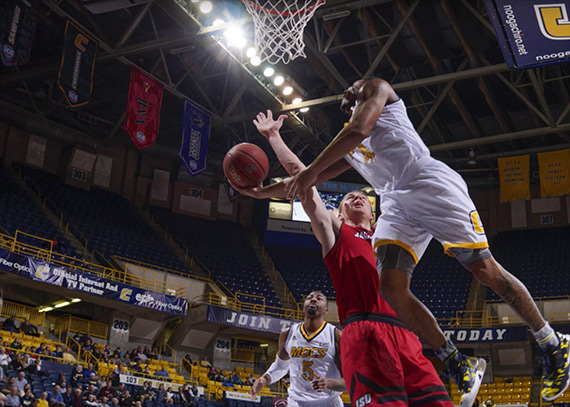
<point>352,266</point>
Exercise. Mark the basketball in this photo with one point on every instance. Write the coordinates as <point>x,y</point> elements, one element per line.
<point>246,165</point>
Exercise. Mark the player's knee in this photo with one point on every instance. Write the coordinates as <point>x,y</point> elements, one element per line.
<point>395,267</point>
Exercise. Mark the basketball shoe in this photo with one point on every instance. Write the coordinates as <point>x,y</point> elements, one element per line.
<point>556,369</point>
<point>467,372</point>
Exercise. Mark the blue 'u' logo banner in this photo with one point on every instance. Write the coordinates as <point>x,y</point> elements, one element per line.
<point>195,136</point>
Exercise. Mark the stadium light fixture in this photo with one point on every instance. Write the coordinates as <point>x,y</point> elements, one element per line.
<point>45,309</point>
<point>268,72</point>
<point>255,61</point>
<point>250,53</point>
<point>304,109</point>
<point>75,300</point>
<point>62,304</point>
<point>206,7</point>
<point>218,21</point>
<point>287,90</point>
<point>296,101</point>
<point>279,80</point>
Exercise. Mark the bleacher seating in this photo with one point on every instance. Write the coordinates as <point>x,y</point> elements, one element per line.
<point>224,248</point>
<point>303,270</point>
<point>504,390</point>
<point>20,212</point>
<point>109,222</point>
<point>539,258</point>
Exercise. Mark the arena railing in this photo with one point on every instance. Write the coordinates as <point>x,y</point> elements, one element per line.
<point>47,357</point>
<point>15,245</point>
<point>21,312</point>
<point>69,323</point>
<point>73,345</point>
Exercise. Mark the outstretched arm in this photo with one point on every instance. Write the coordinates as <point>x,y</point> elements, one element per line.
<point>372,99</point>
<point>324,224</point>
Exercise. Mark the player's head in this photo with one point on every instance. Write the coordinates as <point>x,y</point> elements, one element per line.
<point>355,207</point>
<point>315,305</point>
<point>351,94</point>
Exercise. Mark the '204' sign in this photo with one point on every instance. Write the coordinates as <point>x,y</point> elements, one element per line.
<point>222,345</point>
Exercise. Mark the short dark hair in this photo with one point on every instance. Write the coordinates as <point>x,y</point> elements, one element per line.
<point>319,292</point>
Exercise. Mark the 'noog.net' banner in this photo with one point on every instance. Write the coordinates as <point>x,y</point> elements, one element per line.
<point>91,284</point>
<point>531,32</point>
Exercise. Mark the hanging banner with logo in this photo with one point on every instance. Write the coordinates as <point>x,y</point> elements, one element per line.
<point>90,284</point>
<point>514,178</point>
<point>195,136</point>
<point>142,118</point>
<point>554,170</point>
<point>75,78</point>
<point>531,32</point>
<point>18,20</point>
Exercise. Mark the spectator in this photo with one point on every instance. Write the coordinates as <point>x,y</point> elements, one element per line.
<point>107,391</point>
<point>161,393</point>
<point>154,354</point>
<point>227,382</point>
<point>7,388</point>
<point>57,353</point>
<point>4,358</point>
<point>77,375</point>
<point>68,356</point>
<point>36,368</point>
<point>236,379</point>
<point>115,402</point>
<point>68,396</point>
<point>101,382</point>
<point>28,398</point>
<point>91,401</point>
<point>29,329</point>
<point>162,372</point>
<point>103,402</point>
<point>61,379</point>
<point>87,372</point>
<point>21,382</point>
<point>13,398</point>
<point>89,390</point>
<point>10,325</point>
<point>17,364</point>
<point>93,380</point>
<point>117,354</point>
<point>127,400</point>
<point>169,396</point>
<point>195,393</point>
<point>43,402</point>
<point>56,397</point>
<point>77,399</point>
<point>16,344</point>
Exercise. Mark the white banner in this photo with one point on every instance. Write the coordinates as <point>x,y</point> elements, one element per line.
<point>36,151</point>
<point>83,160</point>
<point>160,185</point>
<point>139,381</point>
<point>234,395</point>
<point>102,174</point>
<point>289,226</point>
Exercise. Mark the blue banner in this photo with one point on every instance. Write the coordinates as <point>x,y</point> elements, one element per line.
<point>90,283</point>
<point>246,320</point>
<point>195,136</point>
<point>478,335</point>
<point>531,32</point>
<point>18,19</point>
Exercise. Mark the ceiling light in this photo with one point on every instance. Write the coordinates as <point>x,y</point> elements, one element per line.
<point>268,71</point>
<point>75,300</point>
<point>62,304</point>
<point>206,7</point>
<point>250,53</point>
<point>218,21</point>
<point>304,109</point>
<point>263,345</point>
<point>471,156</point>
<point>287,90</point>
<point>45,309</point>
<point>255,61</point>
<point>235,37</point>
<point>296,101</point>
<point>278,81</point>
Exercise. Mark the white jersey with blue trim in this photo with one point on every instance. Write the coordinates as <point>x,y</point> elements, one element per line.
<point>310,355</point>
<point>391,148</point>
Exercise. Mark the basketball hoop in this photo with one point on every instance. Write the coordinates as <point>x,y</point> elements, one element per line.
<point>279,27</point>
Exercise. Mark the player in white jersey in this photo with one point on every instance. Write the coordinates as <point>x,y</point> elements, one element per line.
<point>421,198</point>
<point>308,350</point>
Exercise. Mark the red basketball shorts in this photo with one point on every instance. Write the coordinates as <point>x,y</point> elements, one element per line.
<point>383,365</point>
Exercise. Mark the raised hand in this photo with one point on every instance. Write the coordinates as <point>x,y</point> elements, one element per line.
<point>266,125</point>
<point>257,386</point>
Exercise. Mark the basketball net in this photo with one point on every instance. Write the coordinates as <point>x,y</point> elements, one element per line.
<point>279,27</point>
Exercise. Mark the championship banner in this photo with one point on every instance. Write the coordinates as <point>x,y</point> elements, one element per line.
<point>90,284</point>
<point>142,118</point>
<point>531,32</point>
<point>195,136</point>
<point>554,170</point>
<point>478,335</point>
<point>75,78</point>
<point>246,320</point>
<point>514,178</point>
<point>18,20</point>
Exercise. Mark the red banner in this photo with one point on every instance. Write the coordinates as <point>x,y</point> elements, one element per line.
<point>142,118</point>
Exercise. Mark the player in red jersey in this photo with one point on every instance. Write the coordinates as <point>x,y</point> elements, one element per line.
<point>382,361</point>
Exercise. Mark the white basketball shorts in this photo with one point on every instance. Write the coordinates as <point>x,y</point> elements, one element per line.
<point>431,200</point>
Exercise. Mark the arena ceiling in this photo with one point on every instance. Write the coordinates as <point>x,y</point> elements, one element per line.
<point>441,56</point>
